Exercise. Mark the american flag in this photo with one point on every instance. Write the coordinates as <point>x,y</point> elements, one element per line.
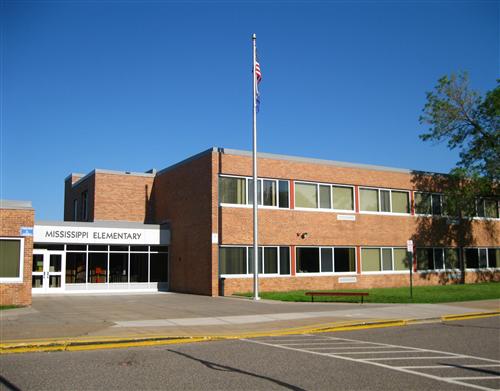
<point>257,72</point>
<point>258,75</point>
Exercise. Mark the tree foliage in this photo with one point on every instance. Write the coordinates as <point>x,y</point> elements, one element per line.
<point>466,121</point>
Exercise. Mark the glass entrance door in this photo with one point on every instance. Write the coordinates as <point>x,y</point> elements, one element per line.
<point>48,271</point>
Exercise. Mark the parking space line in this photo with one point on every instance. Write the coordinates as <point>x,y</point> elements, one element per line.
<point>320,343</point>
<point>352,347</point>
<point>378,352</point>
<point>474,377</point>
<point>376,361</point>
<point>447,366</point>
<point>411,358</point>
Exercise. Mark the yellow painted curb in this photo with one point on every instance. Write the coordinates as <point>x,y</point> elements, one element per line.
<point>116,342</point>
<point>51,345</point>
<point>471,315</point>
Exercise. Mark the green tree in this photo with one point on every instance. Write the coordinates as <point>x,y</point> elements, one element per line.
<point>465,120</point>
<point>470,123</point>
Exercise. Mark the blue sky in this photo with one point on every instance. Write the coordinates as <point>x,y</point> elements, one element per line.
<point>134,85</point>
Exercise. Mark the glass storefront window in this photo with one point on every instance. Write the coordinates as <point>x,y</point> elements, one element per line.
<point>76,271</point>
<point>98,267</point>
<point>158,263</point>
<point>118,267</point>
<point>138,267</point>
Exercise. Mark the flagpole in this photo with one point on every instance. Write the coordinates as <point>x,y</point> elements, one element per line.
<point>255,184</point>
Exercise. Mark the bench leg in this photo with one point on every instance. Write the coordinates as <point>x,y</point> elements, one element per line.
<point>312,299</point>
<point>362,297</point>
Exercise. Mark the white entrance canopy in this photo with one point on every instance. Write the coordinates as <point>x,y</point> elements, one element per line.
<point>101,232</point>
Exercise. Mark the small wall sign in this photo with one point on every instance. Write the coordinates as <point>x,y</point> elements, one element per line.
<point>26,231</point>
<point>345,280</point>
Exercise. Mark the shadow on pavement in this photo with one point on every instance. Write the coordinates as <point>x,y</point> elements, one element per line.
<point>219,367</point>
<point>8,385</point>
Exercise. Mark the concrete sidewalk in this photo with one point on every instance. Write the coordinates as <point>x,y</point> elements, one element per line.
<point>73,317</point>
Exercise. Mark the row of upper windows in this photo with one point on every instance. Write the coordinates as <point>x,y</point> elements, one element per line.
<point>234,260</point>
<point>275,193</point>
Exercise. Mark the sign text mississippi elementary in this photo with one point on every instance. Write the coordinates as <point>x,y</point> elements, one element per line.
<point>89,233</point>
<point>96,235</point>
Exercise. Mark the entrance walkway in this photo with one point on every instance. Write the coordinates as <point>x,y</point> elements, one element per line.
<point>184,315</point>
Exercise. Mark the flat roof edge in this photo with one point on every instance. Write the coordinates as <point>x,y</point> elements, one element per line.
<point>15,204</point>
<point>151,174</point>
<point>73,174</point>
<point>102,224</point>
<point>187,160</point>
<point>300,159</point>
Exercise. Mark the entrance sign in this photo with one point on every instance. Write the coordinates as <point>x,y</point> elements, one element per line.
<point>100,235</point>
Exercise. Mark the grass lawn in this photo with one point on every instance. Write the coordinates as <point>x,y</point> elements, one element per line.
<point>8,307</point>
<point>421,294</point>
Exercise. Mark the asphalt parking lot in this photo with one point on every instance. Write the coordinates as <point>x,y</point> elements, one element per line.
<point>460,355</point>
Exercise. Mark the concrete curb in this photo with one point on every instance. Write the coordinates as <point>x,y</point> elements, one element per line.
<point>117,342</point>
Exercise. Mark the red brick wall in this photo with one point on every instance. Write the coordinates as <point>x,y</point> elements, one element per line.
<point>11,220</point>
<point>122,197</point>
<point>182,196</point>
<point>111,196</point>
<point>281,226</point>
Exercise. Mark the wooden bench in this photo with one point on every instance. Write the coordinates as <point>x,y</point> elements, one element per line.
<point>361,294</point>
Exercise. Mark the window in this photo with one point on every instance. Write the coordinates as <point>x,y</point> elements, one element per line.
<point>306,195</point>
<point>400,202</point>
<point>118,267</point>
<point>326,260</point>
<point>324,196</point>
<point>76,268</point>
<point>437,258</point>
<point>369,200</point>
<point>233,260</point>
<point>386,201</point>
<point>284,260</point>
<point>283,194</point>
<point>85,205</point>
<point>370,258</point>
<point>385,259</point>
<point>98,267</point>
<point>428,204</point>
<point>269,193</point>
<point>158,264</point>
<point>138,267</point>
<point>344,259</point>
<point>487,208</point>
<point>11,259</point>
<point>232,190</point>
<point>239,191</point>
<point>481,258</point>
<point>239,260</point>
<point>75,210</point>
<point>343,198</point>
